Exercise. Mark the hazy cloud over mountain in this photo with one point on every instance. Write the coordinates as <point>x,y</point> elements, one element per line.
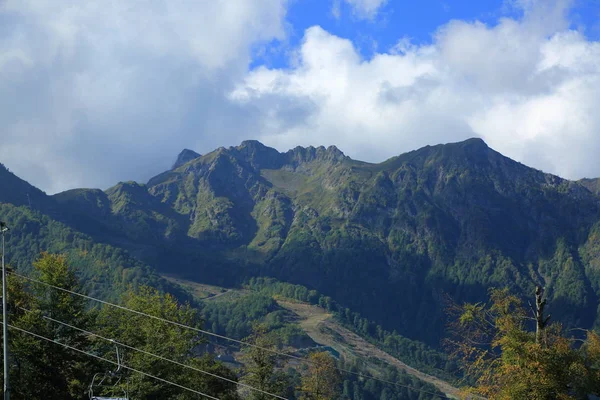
<point>106,91</point>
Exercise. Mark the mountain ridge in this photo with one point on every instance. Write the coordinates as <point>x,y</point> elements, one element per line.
<point>390,240</point>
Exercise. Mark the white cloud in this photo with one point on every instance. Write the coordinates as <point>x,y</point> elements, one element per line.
<point>530,89</point>
<point>103,91</point>
<point>364,9</point>
<point>96,91</point>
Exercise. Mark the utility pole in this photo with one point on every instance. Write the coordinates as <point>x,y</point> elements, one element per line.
<point>3,230</point>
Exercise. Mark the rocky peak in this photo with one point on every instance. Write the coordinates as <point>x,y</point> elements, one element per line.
<point>335,154</point>
<point>252,145</point>
<point>259,155</point>
<point>467,153</point>
<point>473,150</point>
<point>308,154</point>
<point>184,157</point>
<point>475,143</point>
<point>128,187</point>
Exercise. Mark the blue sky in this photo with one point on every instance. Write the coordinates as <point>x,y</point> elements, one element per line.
<point>101,91</point>
<point>416,20</point>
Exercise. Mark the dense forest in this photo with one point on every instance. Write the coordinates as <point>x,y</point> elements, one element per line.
<point>64,347</point>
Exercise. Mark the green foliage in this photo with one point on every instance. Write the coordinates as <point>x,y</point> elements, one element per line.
<point>42,369</point>
<point>323,380</point>
<point>405,387</point>
<point>160,338</point>
<point>498,350</point>
<point>235,317</point>
<point>262,367</point>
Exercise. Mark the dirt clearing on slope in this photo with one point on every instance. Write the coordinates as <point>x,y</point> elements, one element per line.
<point>319,325</point>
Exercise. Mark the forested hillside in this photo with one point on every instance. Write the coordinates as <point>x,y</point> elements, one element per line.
<point>68,346</point>
<point>106,271</point>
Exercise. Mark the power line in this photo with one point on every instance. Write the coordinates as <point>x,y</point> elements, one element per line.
<point>158,318</point>
<point>157,356</point>
<point>112,362</point>
<point>221,336</point>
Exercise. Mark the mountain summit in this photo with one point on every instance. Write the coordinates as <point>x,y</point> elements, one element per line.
<point>184,157</point>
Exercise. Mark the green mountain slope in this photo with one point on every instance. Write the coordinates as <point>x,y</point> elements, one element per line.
<point>592,184</point>
<point>105,271</point>
<point>15,190</point>
<point>39,223</point>
<point>391,240</point>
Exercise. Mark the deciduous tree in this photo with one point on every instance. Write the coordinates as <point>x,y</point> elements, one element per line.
<point>323,381</point>
<point>261,365</point>
<point>500,347</point>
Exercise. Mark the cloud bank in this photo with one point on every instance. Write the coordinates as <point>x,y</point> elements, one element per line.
<point>529,87</point>
<point>107,91</point>
<point>95,92</point>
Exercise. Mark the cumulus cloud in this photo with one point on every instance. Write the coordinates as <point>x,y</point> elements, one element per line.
<point>529,86</point>
<point>98,91</point>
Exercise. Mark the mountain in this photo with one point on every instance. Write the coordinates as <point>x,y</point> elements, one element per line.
<point>592,184</point>
<point>16,191</point>
<point>40,223</point>
<point>391,240</point>
<point>185,156</point>
<point>450,219</point>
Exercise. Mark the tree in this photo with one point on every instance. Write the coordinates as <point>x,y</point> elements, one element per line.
<point>261,365</point>
<point>322,382</point>
<point>507,360</point>
<point>42,369</point>
<point>165,340</point>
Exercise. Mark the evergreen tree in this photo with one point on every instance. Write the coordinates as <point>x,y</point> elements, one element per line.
<point>42,369</point>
